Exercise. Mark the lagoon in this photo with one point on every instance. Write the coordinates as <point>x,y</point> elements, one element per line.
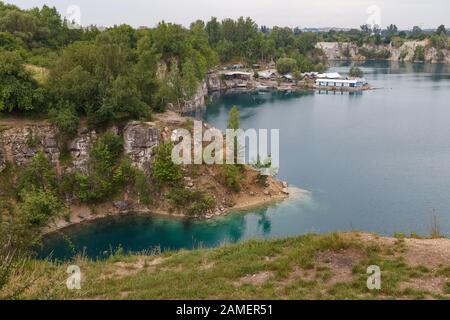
<point>376,161</point>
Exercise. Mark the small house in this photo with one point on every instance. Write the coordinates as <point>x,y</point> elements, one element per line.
<point>288,77</point>
<point>237,75</point>
<point>310,75</point>
<point>268,74</point>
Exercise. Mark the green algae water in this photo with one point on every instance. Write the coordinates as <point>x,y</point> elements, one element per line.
<point>377,161</point>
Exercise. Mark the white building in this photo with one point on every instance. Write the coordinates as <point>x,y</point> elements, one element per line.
<point>332,75</point>
<point>349,83</point>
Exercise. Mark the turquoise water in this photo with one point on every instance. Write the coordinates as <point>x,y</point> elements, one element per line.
<point>374,161</point>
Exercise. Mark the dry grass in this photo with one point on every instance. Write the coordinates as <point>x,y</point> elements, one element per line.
<point>310,267</point>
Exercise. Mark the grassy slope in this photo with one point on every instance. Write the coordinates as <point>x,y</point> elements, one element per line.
<point>309,267</point>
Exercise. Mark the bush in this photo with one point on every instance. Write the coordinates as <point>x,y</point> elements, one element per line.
<point>201,206</point>
<point>164,170</point>
<point>39,174</point>
<point>106,174</point>
<point>65,118</point>
<point>18,90</point>
<point>232,176</point>
<point>39,207</point>
<point>419,54</point>
<point>194,202</point>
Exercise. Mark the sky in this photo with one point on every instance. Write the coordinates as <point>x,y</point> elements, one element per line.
<point>292,13</point>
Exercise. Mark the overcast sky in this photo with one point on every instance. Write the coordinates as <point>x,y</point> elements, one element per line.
<point>302,13</point>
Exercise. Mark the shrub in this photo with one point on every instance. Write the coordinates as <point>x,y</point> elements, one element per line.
<point>164,170</point>
<point>106,174</point>
<point>39,174</point>
<point>232,176</point>
<point>65,118</point>
<point>419,54</point>
<point>201,206</point>
<point>194,202</point>
<point>39,207</point>
<point>18,90</point>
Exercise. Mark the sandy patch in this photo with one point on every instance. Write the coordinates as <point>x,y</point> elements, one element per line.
<point>255,279</point>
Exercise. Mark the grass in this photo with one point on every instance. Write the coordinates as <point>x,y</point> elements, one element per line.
<point>330,266</point>
<point>39,74</point>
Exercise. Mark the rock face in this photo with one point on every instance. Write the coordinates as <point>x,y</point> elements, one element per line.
<point>213,82</point>
<point>80,147</point>
<point>140,139</point>
<point>336,50</point>
<point>197,101</point>
<point>405,52</point>
<point>19,144</point>
<point>2,158</point>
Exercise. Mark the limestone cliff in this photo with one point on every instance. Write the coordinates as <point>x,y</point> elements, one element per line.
<point>140,139</point>
<point>197,101</point>
<point>403,52</point>
<point>21,141</point>
<point>19,144</point>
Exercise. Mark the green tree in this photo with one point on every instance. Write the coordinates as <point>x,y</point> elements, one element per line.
<point>286,65</point>
<point>10,43</point>
<point>39,207</point>
<point>145,72</point>
<point>76,87</point>
<point>164,170</point>
<point>39,174</point>
<point>441,30</point>
<point>417,33</point>
<point>234,117</point>
<point>18,90</point>
<point>213,31</point>
<point>64,116</point>
<point>234,123</point>
<point>106,173</point>
<point>122,101</point>
<point>189,80</point>
<point>20,23</point>
<point>226,51</point>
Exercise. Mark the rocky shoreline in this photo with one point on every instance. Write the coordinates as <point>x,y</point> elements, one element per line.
<point>83,214</point>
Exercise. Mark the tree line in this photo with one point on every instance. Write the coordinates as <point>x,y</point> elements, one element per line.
<point>118,73</point>
<point>374,35</point>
